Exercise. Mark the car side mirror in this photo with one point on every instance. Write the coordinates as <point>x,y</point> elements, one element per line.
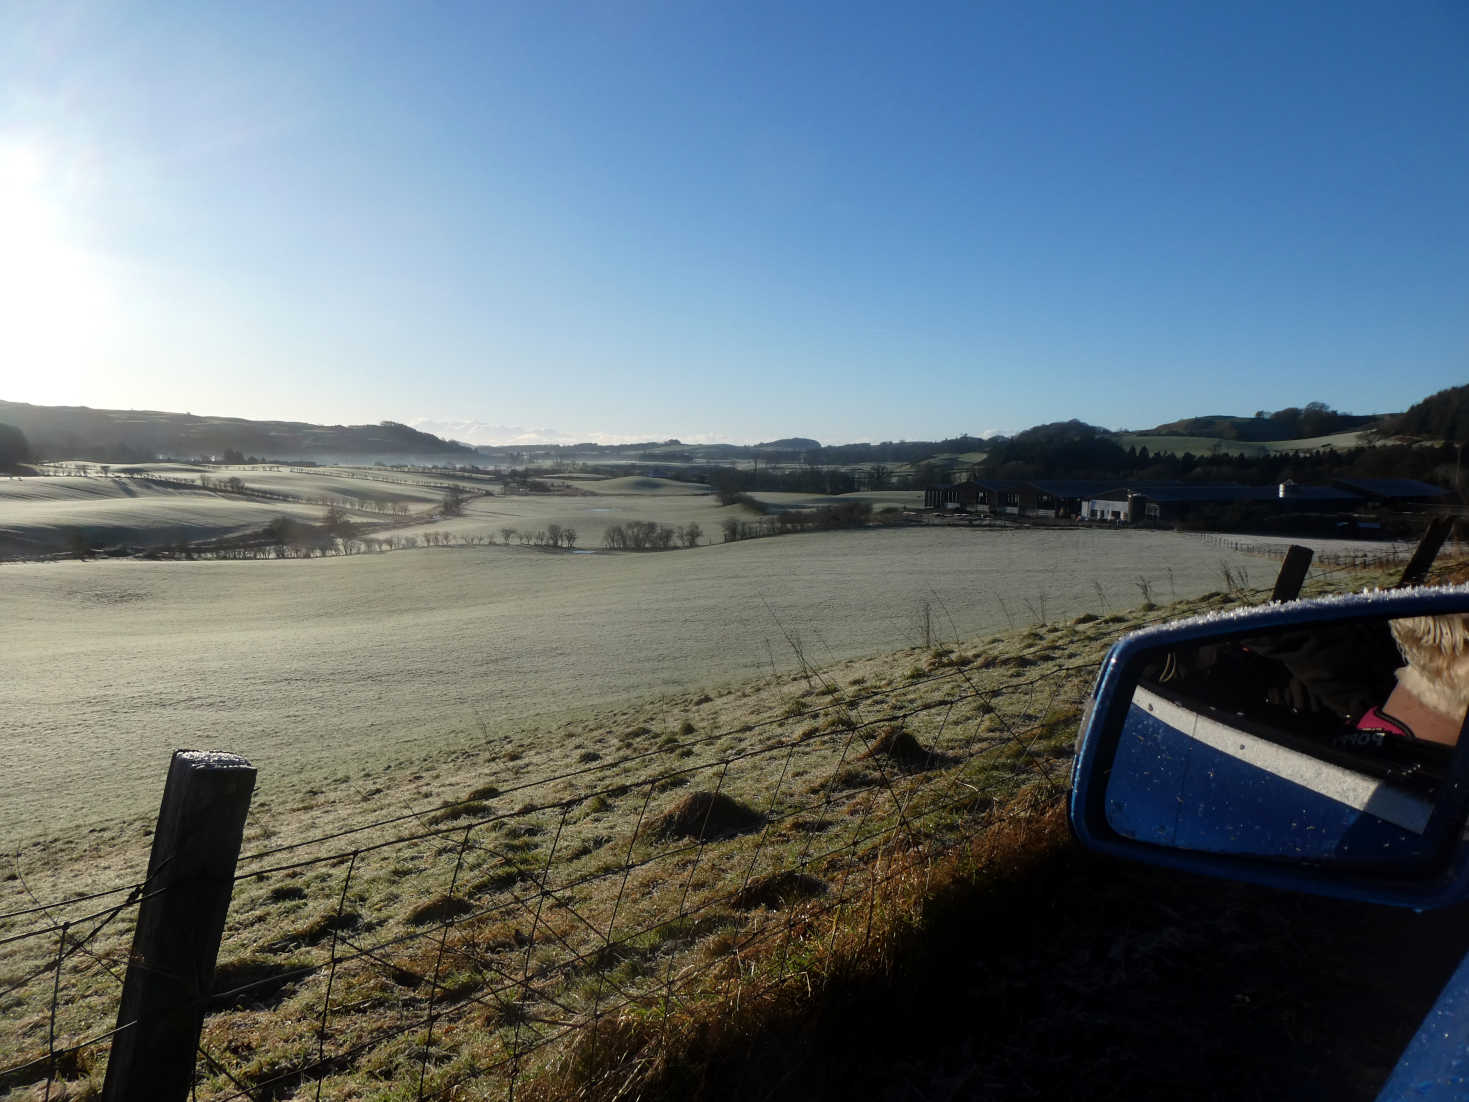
<point>1313,745</point>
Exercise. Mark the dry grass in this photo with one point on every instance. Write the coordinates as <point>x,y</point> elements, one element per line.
<point>742,1038</point>
<point>704,816</point>
<point>531,888</point>
<point>606,882</point>
<point>1018,966</point>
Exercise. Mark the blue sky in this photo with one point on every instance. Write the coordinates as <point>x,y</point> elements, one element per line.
<point>733,221</point>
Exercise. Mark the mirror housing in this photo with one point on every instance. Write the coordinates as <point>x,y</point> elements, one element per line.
<point>1191,755</point>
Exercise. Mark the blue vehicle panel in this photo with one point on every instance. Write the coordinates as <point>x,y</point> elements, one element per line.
<point>1237,806</point>
<point>1160,780</point>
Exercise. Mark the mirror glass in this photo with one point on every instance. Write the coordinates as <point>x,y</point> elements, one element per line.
<point>1319,742</point>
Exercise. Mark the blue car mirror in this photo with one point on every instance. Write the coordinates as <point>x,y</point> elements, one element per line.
<point>1313,745</point>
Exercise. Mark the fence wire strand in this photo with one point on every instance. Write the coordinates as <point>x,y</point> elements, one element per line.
<point>535,940</point>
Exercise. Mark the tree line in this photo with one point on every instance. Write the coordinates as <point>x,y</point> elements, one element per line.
<point>825,518</point>
<point>1440,416</point>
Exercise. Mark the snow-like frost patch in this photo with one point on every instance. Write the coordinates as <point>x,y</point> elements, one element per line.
<point>214,759</point>
<point>1366,601</point>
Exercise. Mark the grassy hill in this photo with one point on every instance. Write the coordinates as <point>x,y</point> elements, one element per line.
<point>78,432</point>
<point>1286,424</point>
<point>1314,428</point>
<point>141,506</point>
<point>1159,443</point>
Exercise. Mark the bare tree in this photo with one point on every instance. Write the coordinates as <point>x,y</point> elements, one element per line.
<point>337,523</point>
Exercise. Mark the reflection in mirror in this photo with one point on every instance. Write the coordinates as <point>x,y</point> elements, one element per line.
<point>1327,742</point>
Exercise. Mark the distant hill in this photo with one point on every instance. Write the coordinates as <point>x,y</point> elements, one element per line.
<point>1441,416</point>
<point>1213,445</point>
<point>1291,423</point>
<point>791,444</point>
<point>78,432</point>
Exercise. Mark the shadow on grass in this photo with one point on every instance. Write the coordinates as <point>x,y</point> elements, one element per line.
<point>1053,973</point>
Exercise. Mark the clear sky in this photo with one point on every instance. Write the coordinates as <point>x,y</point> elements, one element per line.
<point>734,220</point>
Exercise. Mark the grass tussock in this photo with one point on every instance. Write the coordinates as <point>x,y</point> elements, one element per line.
<point>897,746</point>
<point>318,930</point>
<point>1020,966</point>
<point>702,816</point>
<point>746,1037</point>
<point>777,890</point>
<point>470,809</point>
<point>254,982</point>
<point>441,908</point>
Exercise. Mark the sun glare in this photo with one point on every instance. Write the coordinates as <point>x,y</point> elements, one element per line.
<point>53,297</point>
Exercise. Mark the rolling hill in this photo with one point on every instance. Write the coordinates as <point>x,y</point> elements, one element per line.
<point>66,432</point>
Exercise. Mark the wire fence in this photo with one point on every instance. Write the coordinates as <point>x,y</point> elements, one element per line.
<point>455,952</point>
<point>1374,556</point>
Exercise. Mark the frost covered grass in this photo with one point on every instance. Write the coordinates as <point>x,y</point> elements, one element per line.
<point>516,518</point>
<point>36,514</point>
<point>302,666</point>
<point>608,753</point>
<point>170,503</point>
<point>644,486</point>
<point>636,775</point>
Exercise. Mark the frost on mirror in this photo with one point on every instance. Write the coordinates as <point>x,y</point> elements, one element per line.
<point>1324,742</point>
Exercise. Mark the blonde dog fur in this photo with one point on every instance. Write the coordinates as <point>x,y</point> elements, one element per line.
<point>1436,649</point>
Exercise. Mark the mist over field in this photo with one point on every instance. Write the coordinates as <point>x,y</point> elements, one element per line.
<point>310,667</point>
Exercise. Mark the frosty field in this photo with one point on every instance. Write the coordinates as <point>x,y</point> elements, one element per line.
<point>38,513</point>
<point>311,667</point>
<point>35,513</point>
<point>620,500</point>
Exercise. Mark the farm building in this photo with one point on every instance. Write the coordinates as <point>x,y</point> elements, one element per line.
<point>1167,501</point>
<point>1395,492</point>
<point>958,497</point>
<point>996,496</point>
<point>1070,493</point>
<point>1299,497</point>
<point>1140,502</point>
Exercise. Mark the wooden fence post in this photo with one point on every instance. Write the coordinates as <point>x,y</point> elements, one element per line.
<point>170,973</point>
<point>1422,561</point>
<point>1292,573</point>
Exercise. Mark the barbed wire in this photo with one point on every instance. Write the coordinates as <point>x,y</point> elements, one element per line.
<point>648,997</point>
<point>547,892</point>
<point>531,982</point>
